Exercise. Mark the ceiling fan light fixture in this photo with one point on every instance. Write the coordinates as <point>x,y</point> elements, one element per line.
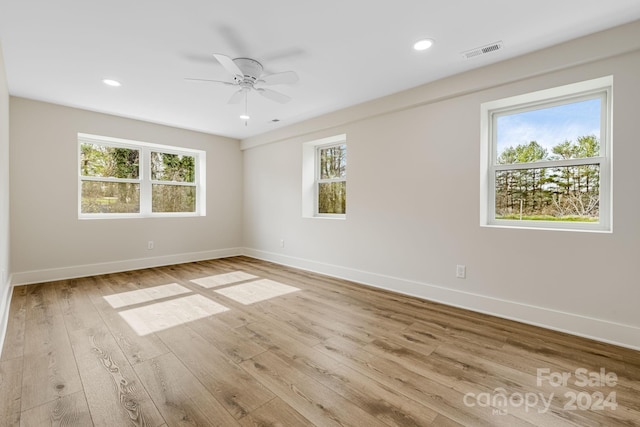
<point>423,44</point>
<point>244,116</point>
<point>111,82</point>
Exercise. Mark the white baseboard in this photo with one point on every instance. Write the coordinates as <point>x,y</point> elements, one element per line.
<point>5,302</point>
<point>601,330</point>
<point>53,274</point>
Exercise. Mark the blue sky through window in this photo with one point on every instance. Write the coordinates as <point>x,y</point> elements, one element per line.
<point>549,126</point>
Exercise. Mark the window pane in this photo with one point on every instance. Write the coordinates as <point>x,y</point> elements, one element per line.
<point>172,167</point>
<point>173,198</point>
<point>102,161</point>
<point>110,197</point>
<point>568,131</point>
<point>549,194</point>
<point>333,162</point>
<point>332,198</point>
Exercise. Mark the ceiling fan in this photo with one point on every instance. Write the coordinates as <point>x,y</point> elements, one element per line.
<point>248,74</point>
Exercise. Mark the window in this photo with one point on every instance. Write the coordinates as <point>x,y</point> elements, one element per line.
<point>331,179</point>
<point>109,179</point>
<point>120,178</point>
<point>173,182</point>
<point>547,159</point>
<point>324,186</point>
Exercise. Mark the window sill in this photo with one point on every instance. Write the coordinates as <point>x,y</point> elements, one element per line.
<point>329,217</point>
<point>548,226</point>
<point>138,216</point>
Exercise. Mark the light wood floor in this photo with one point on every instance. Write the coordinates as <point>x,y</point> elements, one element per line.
<point>319,351</point>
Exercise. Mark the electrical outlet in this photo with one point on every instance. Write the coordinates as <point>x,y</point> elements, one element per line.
<point>150,245</point>
<point>461,271</point>
<point>282,243</point>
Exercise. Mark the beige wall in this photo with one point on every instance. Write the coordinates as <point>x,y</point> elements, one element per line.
<point>49,241</point>
<point>414,197</point>
<point>5,287</point>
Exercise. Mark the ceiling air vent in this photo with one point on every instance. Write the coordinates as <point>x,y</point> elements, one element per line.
<point>493,47</point>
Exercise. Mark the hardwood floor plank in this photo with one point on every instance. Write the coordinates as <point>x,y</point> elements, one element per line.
<point>384,305</point>
<point>409,340</point>
<point>42,300</point>
<point>343,294</point>
<point>10,391</point>
<point>116,283</point>
<point>185,273</point>
<point>229,341</point>
<point>442,421</point>
<point>238,392</point>
<point>430,393</point>
<point>314,401</point>
<point>349,312</point>
<point>180,397</point>
<point>275,413</point>
<point>95,287</point>
<point>269,335</point>
<point>49,375</point>
<point>136,348</point>
<point>499,368</point>
<point>472,373</point>
<point>237,318</point>
<point>49,370</point>
<point>45,334</point>
<point>311,323</point>
<point>67,411</point>
<point>453,330</point>
<point>77,309</point>
<point>390,407</point>
<point>44,324</point>
<point>16,324</point>
<point>304,332</point>
<point>563,354</point>
<point>114,393</point>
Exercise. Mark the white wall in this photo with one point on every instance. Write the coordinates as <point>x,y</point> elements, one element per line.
<point>5,288</point>
<point>49,241</point>
<point>413,199</point>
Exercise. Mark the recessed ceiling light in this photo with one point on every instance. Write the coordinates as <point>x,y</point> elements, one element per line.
<point>245,117</point>
<point>423,44</point>
<point>110,82</point>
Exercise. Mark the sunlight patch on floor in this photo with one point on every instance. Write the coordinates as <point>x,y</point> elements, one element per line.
<point>145,295</point>
<point>163,315</point>
<point>260,290</point>
<point>223,279</point>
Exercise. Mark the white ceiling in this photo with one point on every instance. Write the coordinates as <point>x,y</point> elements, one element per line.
<point>345,51</point>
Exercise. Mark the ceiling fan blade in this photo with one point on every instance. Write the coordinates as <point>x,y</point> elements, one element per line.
<point>198,57</point>
<point>210,81</point>
<point>229,65</point>
<point>273,95</point>
<point>283,54</point>
<point>235,41</point>
<point>286,77</point>
<point>236,97</point>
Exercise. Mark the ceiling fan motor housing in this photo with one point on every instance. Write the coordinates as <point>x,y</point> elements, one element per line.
<point>251,70</point>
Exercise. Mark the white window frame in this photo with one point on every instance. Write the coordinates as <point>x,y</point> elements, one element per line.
<point>144,177</point>
<point>319,180</point>
<point>311,175</point>
<point>490,111</point>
